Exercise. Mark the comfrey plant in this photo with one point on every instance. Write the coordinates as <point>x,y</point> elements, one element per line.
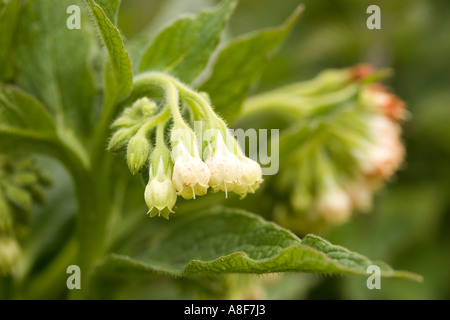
<point>192,165</point>
<point>354,144</point>
<point>74,92</point>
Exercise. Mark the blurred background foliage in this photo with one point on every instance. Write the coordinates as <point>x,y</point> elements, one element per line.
<point>409,225</point>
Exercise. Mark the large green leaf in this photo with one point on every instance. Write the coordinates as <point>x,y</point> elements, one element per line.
<point>23,121</point>
<point>117,71</point>
<point>27,126</point>
<point>234,241</point>
<point>240,64</point>
<point>53,64</point>
<point>184,47</point>
<point>9,11</point>
<point>122,72</point>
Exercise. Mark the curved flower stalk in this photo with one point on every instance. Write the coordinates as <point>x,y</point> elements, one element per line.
<point>343,145</point>
<point>199,157</point>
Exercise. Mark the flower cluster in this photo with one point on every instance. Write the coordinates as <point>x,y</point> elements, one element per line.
<point>21,183</point>
<point>354,145</point>
<point>184,159</point>
<point>382,154</point>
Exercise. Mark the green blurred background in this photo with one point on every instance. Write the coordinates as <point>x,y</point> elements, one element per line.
<point>409,226</point>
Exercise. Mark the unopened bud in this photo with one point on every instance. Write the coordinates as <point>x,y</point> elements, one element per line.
<point>141,108</point>
<point>9,254</point>
<point>25,178</point>
<point>251,177</point>
<point>20,197</point>
<point>386,152</point>
<point>6,223</point>
<point>387,102</point>
<point>119,140</point>
<point>362,71</point>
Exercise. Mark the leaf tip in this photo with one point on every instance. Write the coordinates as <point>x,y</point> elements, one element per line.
<point>292,19</point>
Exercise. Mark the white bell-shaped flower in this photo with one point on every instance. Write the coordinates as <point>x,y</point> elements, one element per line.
<point>190,174</point>
<point>251,177</point>
<point>385,153</point>
<point>334,205</point>
<point>225,167</point>
<point>160,194</point>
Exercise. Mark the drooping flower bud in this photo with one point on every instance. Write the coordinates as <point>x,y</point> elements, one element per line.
<point>384,155</point>
<point>160,194</point>
<point>334,205</point>
<point>251,177</point>
<point>362,71</point>
<point>138,151</point>
<point>141,109</point>
<point>190,174</point>
<point>119,139</point>
<point>225,167</point>
<point>9,254</point>
<point>361,195</point>
<point>388,103</point>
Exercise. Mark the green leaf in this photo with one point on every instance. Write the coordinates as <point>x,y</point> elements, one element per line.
<point>234,241</point>
<point>23,121</point>
<point>111,9</point>
<point>53,64</point>
<point>120,60</point>
<point>240,64</point>
<point>184,47</point>
<point>9,12</point>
